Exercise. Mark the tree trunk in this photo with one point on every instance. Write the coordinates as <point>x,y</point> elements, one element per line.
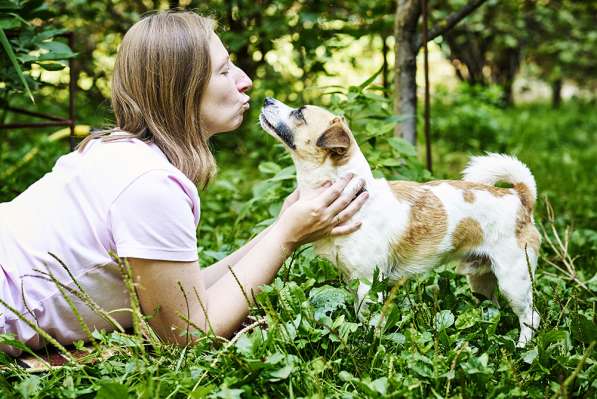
<point>504,71</point>
<point>405,69</point>
<point>468,59</point>
<point>556,93</point>
<point>406,49</point>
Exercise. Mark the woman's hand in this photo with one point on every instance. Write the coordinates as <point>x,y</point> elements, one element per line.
<point>291,199</point>
<point>326,212</point>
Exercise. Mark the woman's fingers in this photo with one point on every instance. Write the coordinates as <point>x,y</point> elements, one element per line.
<point>351,209</point>
<point>329,211</point>
<point>335,190</point>
<point>345,229</point>
<point>291,199</point>
<point>347,196</point>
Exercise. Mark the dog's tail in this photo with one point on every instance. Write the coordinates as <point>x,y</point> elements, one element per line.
<point>494,168</point>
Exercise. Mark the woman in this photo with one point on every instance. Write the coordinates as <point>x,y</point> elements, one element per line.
<point>132,190</point>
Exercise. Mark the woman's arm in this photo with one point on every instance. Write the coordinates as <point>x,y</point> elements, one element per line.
<point>213,273</point>
<point>223,305</point>
<point>224,301</point>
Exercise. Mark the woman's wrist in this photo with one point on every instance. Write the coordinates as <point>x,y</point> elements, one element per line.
<point>284,235</point>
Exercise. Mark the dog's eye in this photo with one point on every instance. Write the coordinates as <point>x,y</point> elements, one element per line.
<point>298,114</point>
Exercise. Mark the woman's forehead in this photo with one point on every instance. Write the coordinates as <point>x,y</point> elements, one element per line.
<point>219,54</point>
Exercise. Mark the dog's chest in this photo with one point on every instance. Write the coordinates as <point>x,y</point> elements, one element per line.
<point>383,218</point>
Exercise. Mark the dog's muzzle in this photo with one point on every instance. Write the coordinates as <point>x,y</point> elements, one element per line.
<point>271,122</point>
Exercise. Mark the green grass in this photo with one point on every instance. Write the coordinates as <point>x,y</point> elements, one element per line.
<point>305,339</point>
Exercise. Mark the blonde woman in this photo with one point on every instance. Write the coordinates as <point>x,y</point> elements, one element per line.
<point>132,190</point>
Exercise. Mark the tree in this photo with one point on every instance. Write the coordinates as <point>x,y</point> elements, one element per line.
<point>408,44</point>
<point>489,49</point>
<point>563,42</point>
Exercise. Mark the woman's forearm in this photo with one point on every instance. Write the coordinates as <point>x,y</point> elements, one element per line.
<point>227,303</point>
<point>213,273</point>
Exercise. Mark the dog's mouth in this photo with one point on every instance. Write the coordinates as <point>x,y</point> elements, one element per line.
<point>266,125</point>
<point>281,130</point>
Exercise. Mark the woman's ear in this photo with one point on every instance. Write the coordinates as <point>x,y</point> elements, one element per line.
<point>335,139</point>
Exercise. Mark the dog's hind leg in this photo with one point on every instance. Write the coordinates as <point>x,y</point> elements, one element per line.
<point>485,285</point>
<point>512,273</point>
<point>477,268</point>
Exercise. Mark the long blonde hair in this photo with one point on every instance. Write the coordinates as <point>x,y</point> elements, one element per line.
<point>162,68</point>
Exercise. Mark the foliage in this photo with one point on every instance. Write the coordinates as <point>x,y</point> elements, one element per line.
<point>556,37</point>
<point>28,42</point>
<point>487,49</point>
<point>467,119</point>
<point>569,56</point>
<point>314,31</point>
<point>309,343</point>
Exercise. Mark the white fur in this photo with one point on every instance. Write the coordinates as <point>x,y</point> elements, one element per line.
<point>494,168</point>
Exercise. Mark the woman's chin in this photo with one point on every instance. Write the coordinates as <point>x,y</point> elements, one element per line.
<point>238,121</point>
<point>231,126</point>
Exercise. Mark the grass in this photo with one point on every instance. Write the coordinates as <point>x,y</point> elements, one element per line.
<point>304,339</point>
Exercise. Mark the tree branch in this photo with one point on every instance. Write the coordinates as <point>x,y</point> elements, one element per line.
<point>450,21</point>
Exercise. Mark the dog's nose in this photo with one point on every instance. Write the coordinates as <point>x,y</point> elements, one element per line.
<point>268,101</point>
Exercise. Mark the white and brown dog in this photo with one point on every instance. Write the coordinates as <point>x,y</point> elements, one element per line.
<point>410,227</point>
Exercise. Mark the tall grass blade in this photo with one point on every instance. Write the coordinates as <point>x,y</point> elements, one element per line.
<point>38,330</point>
<point>83,296</point>
<point>13,59</point>
<point>73,308</point>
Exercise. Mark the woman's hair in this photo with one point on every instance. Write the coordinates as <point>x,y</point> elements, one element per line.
<point>161,71</point>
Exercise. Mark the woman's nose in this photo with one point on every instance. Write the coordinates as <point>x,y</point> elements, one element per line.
<point>243,82</point>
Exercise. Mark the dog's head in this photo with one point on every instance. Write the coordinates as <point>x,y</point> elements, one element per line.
<point>312,134</point>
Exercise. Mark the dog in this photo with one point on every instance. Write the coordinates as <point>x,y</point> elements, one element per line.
<point>408,227</point>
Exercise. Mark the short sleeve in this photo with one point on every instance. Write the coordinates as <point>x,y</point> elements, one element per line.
<point>155,217</point>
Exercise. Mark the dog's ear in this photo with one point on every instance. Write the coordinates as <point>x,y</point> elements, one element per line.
<point>335,139</point>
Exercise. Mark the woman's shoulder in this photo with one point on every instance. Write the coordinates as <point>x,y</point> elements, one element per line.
<point>125,152</point>
<point>112,166</point>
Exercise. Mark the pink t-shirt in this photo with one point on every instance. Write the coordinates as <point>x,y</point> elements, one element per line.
<point>122,196</point>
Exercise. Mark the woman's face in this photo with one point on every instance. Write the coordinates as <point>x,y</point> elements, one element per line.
<point>224,100</point>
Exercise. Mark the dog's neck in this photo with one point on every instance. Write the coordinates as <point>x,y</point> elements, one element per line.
<point>311,176</point>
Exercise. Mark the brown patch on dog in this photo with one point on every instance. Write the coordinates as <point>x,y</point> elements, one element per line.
<point>526,198</point>
<point>527,234</point>
<point>468,196</point>
<point>467,185</point>
<point>467,235</point>
<point>405,190</point>
<point>426,228</point>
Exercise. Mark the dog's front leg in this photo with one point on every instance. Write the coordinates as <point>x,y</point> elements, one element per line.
<point>361,303</point>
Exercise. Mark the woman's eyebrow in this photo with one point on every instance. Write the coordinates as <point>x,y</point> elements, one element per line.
<point>224,63</point>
